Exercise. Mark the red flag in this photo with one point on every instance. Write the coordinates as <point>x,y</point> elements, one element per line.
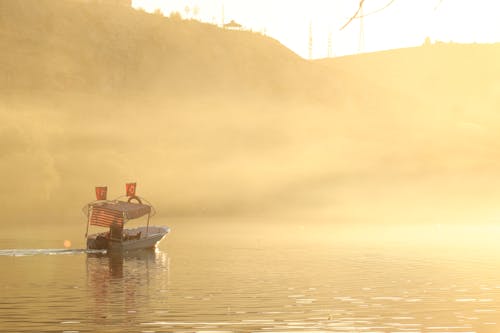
<point>130,188</point>
<point>101,192</point>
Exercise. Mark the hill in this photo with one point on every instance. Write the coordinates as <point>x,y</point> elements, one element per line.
<point>94,47</point>
<point>452,92</point>
<point>214,122</point>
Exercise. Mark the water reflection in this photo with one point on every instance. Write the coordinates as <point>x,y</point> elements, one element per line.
<point>120,284</point>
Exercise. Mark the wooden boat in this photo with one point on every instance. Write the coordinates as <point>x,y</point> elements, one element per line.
<point>114,214</point>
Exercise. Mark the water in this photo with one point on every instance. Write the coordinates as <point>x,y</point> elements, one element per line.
<point>244,277</point>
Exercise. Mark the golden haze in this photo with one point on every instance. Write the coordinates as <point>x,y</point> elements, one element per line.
<point>212,122</point>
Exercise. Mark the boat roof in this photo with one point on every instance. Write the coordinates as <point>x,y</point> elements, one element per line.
<point>130,210</point>
<point>105,213</point>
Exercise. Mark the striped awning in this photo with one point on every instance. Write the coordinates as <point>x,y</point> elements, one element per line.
<point>105,214</point>
<point>105,217</point>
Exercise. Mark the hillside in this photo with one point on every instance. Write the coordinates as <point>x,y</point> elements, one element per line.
<point>78,46</point>
<point>439,73</point>
<point>213,122</point>
<point>452,92</point>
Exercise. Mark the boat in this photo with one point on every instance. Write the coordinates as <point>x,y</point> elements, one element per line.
<point>114,214</point>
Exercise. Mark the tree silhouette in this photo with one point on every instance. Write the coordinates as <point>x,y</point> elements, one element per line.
<point>196,11</point>
<point>175,16</point>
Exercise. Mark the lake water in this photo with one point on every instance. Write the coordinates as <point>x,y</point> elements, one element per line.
<point>254,277</point>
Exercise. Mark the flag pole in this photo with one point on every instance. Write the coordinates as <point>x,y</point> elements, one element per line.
<point>88,221</point>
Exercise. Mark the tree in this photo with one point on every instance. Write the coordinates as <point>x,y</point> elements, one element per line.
<point>175,16</point>
<point>196,11</point>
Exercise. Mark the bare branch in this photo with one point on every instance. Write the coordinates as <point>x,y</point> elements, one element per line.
<point>355,14</point>
<point>378,10</point>
<point>361,2</point>
<point>438,4</point>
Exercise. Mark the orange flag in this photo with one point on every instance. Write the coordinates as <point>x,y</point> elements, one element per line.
<point>101,192</point>
<point>130,188</point>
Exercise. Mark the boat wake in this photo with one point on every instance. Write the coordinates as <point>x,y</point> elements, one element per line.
<point>33,252</point>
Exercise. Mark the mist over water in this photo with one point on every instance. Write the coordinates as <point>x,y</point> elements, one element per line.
<point>202,160</point>
<point>212,122</point>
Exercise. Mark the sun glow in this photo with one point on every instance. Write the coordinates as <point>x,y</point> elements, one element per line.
<point>402,24</point>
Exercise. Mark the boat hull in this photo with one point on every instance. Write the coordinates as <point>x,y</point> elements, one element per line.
<point>133,239</point>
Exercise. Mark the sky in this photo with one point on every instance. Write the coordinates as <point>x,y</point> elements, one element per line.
<point>402,24</point>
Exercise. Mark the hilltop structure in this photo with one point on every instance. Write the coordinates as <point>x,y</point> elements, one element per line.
<point>233,25</point>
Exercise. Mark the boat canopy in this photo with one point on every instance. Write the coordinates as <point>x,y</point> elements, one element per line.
<point>108,213</point>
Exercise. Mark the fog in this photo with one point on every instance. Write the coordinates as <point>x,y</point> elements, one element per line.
<point>213,123</point>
